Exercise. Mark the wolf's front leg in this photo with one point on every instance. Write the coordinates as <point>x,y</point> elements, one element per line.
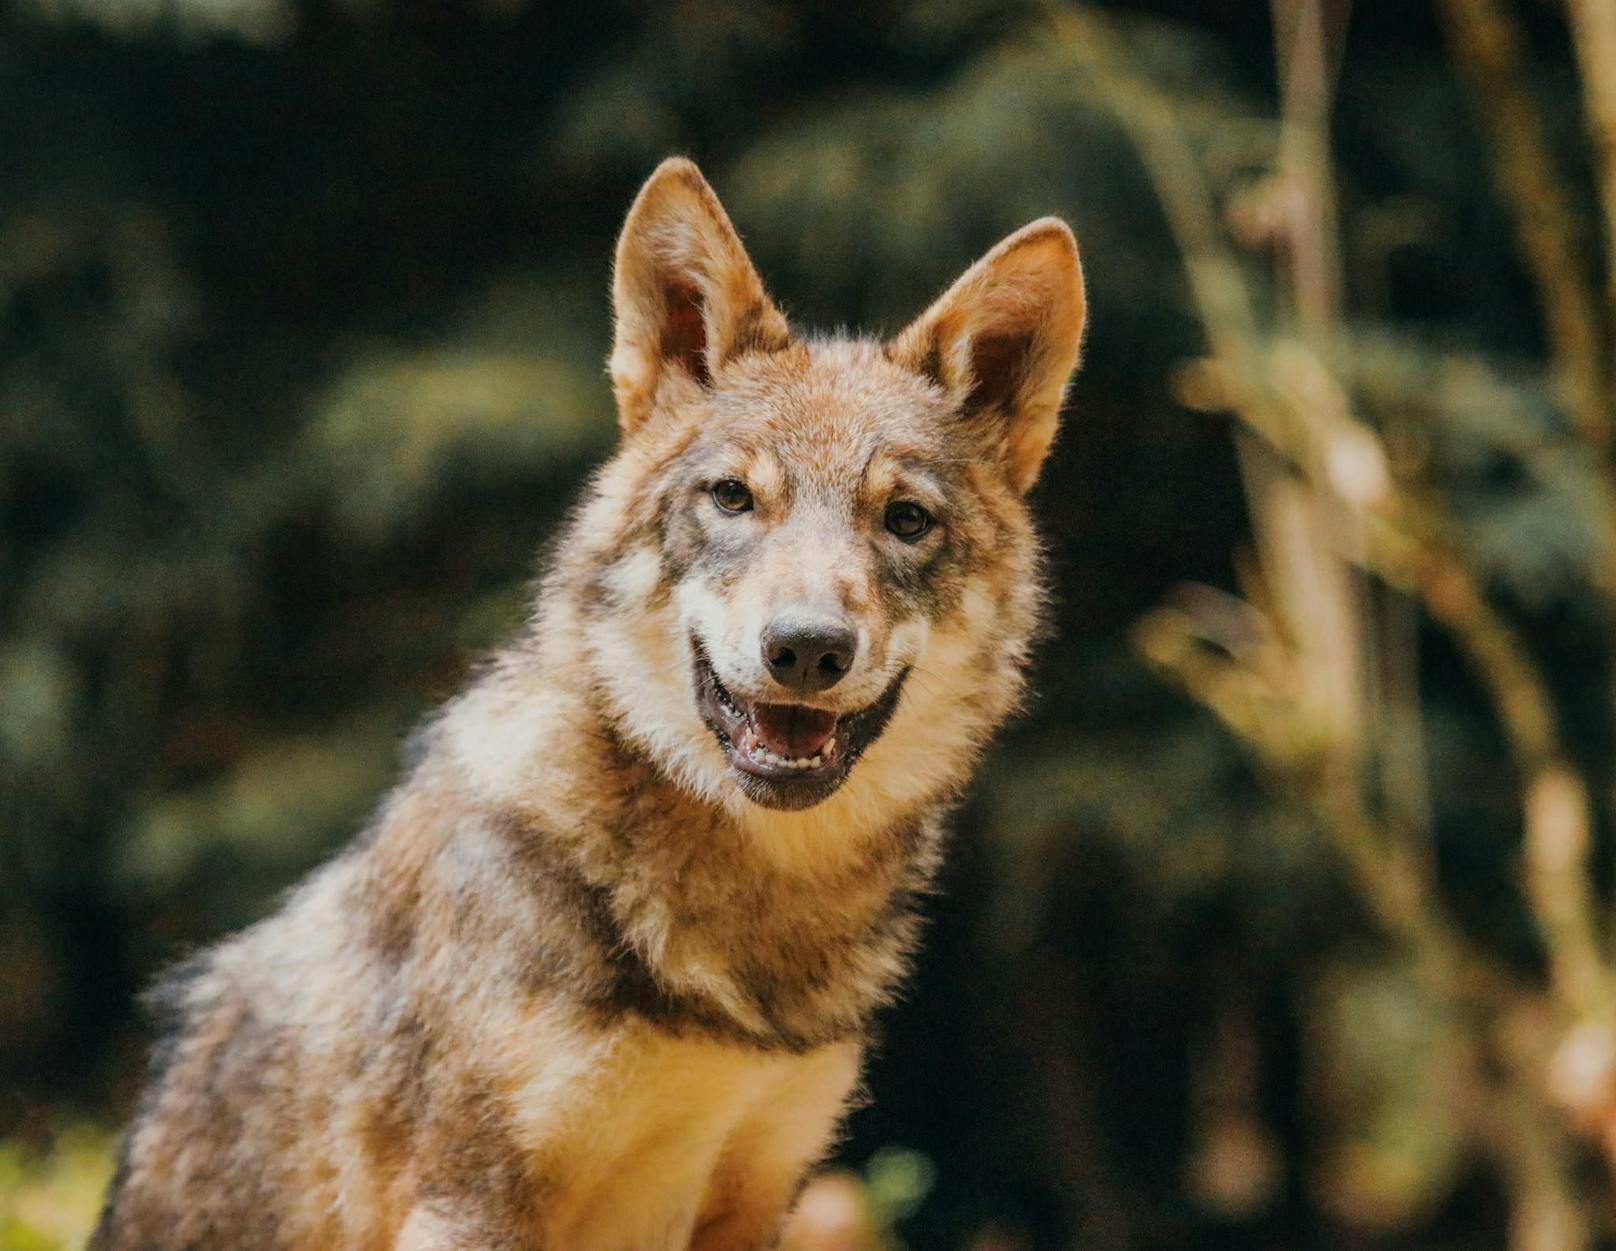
<point>749,1220</point>
<point>764,1164</point>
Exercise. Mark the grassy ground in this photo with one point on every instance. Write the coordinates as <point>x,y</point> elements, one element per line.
<point>49,1196</point>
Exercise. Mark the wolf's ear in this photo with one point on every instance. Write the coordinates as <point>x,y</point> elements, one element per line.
<point>684,293</point>
<point>1003,341</point>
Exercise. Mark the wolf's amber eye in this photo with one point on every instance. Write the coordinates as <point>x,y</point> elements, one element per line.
<point>907,520</point>
<point>731,495</point>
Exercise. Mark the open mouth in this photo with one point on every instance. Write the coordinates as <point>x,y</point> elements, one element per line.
<point>788,755</point>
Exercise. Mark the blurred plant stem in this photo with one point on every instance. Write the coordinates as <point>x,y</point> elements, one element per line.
<point>1297,667</point>
<point>1488,49</point>
<point>1307,38</point>
<point>1593,27</point>
<point>1488,46</point>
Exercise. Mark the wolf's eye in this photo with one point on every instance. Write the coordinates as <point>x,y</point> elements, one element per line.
<point>908,520</point>
<point>731,495</point>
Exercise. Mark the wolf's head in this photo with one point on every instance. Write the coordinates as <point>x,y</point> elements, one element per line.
<point>810,575</point>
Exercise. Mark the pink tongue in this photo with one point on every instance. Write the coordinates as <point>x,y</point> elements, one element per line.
<point>791,730</point>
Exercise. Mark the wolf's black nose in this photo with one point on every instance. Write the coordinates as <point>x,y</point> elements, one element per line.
<point>806,654</point>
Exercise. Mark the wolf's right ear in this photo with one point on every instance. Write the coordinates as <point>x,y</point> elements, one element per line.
<point>684,293</point>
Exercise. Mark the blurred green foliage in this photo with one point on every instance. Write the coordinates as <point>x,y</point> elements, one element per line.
<point>302,322</point>
<point>50,1198</point>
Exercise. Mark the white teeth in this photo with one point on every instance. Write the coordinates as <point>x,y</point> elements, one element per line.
<point>762,755</point>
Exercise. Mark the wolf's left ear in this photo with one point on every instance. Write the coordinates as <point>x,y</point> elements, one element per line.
<point>1003,341</point>
<point>685,295</point>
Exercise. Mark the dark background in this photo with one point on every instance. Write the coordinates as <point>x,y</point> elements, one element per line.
<point>303,318</point>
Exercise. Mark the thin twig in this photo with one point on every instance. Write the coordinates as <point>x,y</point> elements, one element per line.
<point>1593,28</point>
<point>1487,45</point>
<point>1307,92</point>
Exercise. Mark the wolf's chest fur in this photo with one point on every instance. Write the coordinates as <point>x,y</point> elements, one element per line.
<point>666,1133</point>
<point>429,1049</point>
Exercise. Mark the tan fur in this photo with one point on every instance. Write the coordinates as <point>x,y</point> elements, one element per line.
<point>579,987</point>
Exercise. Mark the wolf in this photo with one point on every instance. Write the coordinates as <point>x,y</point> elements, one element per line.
<point>600,972</point>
